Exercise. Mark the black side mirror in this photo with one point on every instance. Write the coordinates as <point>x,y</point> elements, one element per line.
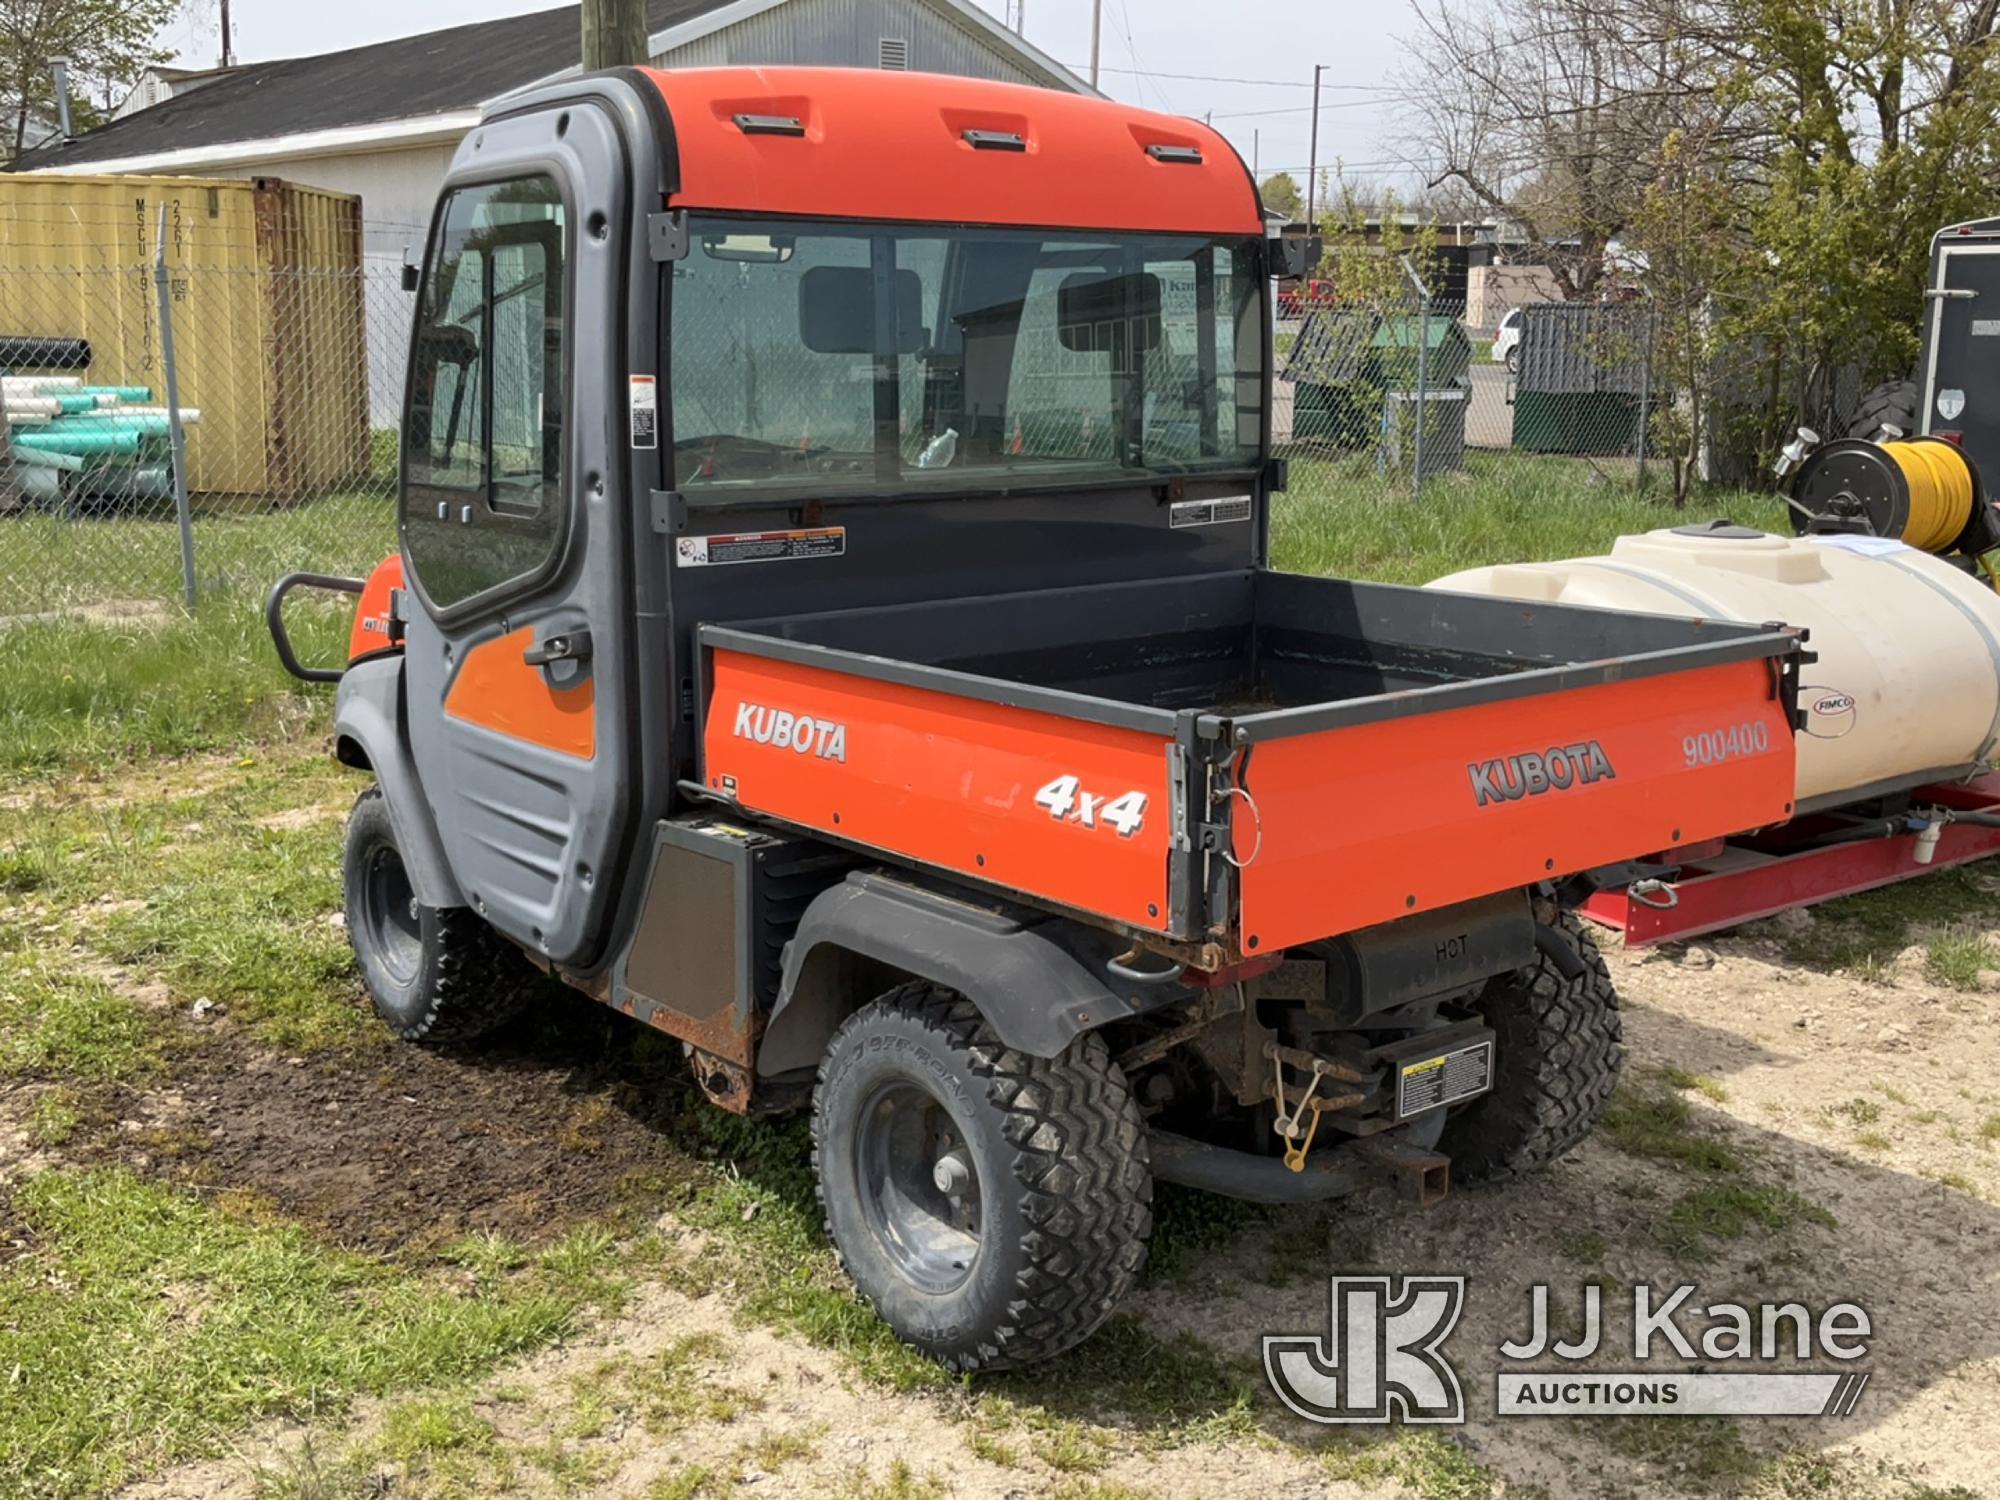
<point>413,276</point>
<point>1294,255</point>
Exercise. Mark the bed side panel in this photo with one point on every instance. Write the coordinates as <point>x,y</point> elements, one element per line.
<point>948,782</point>
<point>1364,824</point>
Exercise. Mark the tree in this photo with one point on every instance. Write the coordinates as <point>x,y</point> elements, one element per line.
<point>1769,172</point>
<point>109,43</point>
<point>1281,195</point>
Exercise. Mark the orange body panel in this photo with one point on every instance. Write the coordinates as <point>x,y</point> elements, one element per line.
<point>946,781</point>
<point>497,690</point>
<point>892,146</point>
<point>370,633</point>
<point>1364,824</point>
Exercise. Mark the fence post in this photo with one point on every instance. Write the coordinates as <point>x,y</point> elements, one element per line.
<point>1423,375</point>
<point>1646,389</point>
<point>178,437</point>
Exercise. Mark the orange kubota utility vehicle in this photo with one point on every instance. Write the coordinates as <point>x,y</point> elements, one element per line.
<point>832,626</point>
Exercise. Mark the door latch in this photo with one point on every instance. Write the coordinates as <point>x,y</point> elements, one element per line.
<point>572,645</point>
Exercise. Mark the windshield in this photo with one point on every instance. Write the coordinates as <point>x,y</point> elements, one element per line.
<point>814,358</point>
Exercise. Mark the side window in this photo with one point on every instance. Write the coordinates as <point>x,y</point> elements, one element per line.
<point>483,500</point>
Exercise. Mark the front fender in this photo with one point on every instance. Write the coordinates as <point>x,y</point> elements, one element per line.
<point>1034,992</point>
<point>369,731</point>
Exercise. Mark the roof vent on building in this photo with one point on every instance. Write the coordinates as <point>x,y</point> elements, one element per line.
<point>894,53</point>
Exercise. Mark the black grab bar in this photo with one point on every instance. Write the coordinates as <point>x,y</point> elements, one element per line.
<point>274,619</point>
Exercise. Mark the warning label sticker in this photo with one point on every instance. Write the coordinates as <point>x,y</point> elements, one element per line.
<point>645,391</point>
<point>760,546</point>
<point>1209,512</point>
<point>1444,1080</point>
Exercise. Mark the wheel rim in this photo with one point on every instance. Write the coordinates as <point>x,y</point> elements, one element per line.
<point>389,909</point>
<point>919,1187</point>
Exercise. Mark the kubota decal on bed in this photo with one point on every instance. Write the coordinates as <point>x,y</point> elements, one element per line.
<point>1555,769</point>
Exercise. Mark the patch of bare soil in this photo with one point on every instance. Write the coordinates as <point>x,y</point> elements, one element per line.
<point>673,1387</point>
<point>403,1147</point>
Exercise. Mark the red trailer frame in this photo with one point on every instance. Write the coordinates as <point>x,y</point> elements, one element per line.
<point>1745,879</point>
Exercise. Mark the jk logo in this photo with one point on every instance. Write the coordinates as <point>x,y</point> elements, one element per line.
<point>1378,1361</point>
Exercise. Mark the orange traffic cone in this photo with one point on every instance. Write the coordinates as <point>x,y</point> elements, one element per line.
<point>1015,444</point>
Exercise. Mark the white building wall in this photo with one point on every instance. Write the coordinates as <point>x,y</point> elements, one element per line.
<point>397,189</point>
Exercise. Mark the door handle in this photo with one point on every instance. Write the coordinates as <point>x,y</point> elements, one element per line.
<point>571,645</point>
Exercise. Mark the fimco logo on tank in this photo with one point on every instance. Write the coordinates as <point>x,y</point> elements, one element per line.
<point>1555,769</point>
<point>826,738</point>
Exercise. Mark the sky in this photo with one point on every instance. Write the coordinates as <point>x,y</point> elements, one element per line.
<point>1172,55</point>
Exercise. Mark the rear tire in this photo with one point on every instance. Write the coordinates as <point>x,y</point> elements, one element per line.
<point>435,974</point>
<point>1892,403</point>
<point>992,1207</point>
<point>1557,1052</point>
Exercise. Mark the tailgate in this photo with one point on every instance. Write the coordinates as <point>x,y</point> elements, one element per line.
<point>1373,810</point>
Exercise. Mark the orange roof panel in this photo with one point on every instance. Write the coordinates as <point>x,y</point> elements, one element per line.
<point>894,146</point>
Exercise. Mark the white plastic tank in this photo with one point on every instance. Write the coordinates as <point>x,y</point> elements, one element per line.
<point>1907,685</point>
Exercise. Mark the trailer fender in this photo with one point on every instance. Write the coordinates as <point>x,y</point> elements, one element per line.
<point>368,733</point>
<point>1036,995</point>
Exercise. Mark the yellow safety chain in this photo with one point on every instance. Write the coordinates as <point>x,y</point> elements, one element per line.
<point>1295,1149</point>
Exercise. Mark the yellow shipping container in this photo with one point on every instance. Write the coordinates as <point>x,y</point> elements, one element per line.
<point>270,338</point>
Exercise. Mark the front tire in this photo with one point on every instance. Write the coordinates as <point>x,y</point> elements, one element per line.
<point>1558,1047</point>
<point>435,974</point>
<point>992,1207</point>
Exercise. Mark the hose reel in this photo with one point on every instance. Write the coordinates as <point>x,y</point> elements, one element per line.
<point>1923,491</point>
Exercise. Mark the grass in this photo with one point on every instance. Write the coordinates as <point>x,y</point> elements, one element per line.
<point>143,1327</point>
<point>1726,1198</point>
<point>1866,933</point>
<point>205,882</point>
<point>87,694</point>
<point>241,549</point>
<point>1339,518</point>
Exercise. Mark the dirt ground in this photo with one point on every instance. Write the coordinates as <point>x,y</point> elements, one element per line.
<point>1855,1113</point>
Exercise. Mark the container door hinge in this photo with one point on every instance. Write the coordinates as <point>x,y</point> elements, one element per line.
<point>669,511</point>
<point>667,234</point>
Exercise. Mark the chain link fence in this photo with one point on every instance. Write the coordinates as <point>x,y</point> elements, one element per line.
<point>1390,396</point>
<point>200,383</point>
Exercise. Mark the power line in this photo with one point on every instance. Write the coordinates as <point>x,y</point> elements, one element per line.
<point>1275,83</point>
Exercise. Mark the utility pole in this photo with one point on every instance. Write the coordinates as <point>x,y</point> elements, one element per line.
<point>228,50</point>
<point>1096,36</point>
<point>1312,170</point>
<point>614,34</point>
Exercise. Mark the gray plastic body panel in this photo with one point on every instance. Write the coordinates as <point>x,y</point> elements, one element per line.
<point>368,717</point>
<point>1037,995</point>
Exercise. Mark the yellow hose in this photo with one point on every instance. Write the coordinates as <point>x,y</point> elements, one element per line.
<point>1940,484</point>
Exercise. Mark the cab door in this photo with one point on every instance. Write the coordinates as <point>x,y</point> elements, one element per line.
<point>515,537</point>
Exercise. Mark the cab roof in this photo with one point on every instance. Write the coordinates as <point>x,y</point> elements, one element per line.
<point>850,143</point>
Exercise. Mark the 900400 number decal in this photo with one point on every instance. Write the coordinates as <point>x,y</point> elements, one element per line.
<point>1732,743</point>
<point>1067,801</point>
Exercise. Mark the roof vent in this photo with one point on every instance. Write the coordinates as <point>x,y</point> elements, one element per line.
<point>893,53</point>
<point>996,140</point>
<point>770,124</point>
<point>1182,155</point>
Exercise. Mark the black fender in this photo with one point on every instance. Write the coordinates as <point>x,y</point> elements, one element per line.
<point>369,732</point>
<point>1035,992</point>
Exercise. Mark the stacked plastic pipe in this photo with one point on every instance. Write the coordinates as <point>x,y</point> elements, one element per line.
<point>112,434</point>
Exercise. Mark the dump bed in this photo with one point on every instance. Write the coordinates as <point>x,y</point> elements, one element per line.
<point>1250,758</point>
